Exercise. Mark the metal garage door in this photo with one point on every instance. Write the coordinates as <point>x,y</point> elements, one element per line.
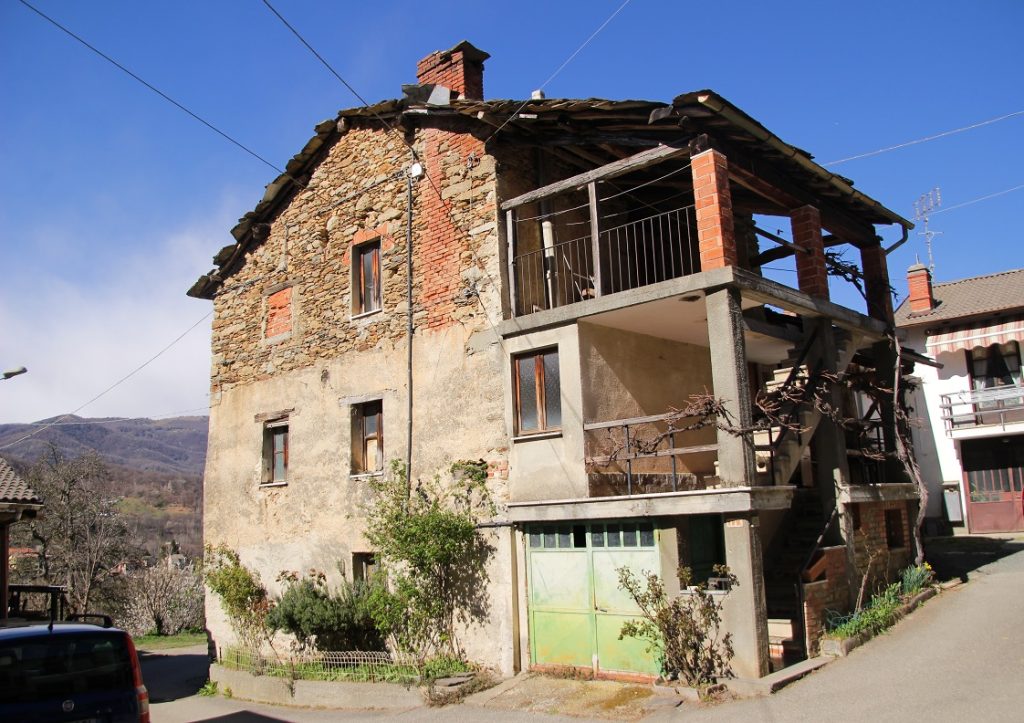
<point>576,607</point>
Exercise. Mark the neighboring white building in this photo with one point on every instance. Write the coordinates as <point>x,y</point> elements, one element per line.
<point>971,442</point>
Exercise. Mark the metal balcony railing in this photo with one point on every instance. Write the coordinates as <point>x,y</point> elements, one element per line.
<point>982,407</point>
<point>639,253</point>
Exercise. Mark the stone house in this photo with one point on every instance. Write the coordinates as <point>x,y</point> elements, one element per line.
<point>561,276</point>
<point>971,444</point>
<point>17,502</point>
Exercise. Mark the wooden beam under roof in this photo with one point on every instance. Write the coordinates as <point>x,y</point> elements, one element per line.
<point>650,157</point>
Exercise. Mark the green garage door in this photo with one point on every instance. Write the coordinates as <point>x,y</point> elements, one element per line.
<point>576,606</point>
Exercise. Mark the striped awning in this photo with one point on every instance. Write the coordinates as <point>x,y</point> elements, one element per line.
<point>972,335</point>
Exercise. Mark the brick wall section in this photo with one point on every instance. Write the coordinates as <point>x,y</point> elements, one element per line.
<point>811,274</point>
<point>713,204</point>
<point>445,247</point>
<point>919,285</point>
<point>318,259</point>
<point>279,313</point>
<point>454,70</point>
<point>824,596</point>
<point>870,538</point>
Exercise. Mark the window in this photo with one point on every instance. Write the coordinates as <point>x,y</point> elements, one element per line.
<point>275,452</point>
<point>364,566</point>
<point>894,529</point>
<point>996,365</point>
<point>366,278</point>
<point>537,392</point>
<point>367,437</point>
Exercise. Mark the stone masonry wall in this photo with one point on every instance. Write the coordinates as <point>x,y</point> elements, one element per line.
<point>317,360</point>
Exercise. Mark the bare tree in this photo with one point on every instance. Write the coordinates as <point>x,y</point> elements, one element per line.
<point>164,599</point>
<point>81,534</point>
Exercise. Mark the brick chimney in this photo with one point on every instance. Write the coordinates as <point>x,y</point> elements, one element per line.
<point>919,283</point>
<point>460,69</point>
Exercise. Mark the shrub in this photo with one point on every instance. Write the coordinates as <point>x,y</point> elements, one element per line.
<point>426,536</point>
<point>685,631</point>
<point>323,619</point>
<point>243,596</point>
<point>915,578</point>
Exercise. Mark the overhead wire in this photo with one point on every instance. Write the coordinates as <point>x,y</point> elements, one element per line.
<point>113,386</point>
<point>933,137</point>
<point>564,64</point>
<point>976,200</point>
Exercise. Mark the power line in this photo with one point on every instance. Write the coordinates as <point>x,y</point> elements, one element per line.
<point>979,124</point>
<point>980,198</point>
<point>113,386</point>
<point>561,67</point>
<point>152,87</point>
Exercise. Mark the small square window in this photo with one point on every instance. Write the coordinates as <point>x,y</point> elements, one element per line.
<point>366,278</point>
<point>537,392</point>
<point>275,452</point>
<point>367,437</point>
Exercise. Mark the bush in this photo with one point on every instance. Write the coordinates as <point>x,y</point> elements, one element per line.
<point>243,596</point>
<point>326,620</point>
<point>915,578</point>
<point>435,558</point>
<point>685,631</point>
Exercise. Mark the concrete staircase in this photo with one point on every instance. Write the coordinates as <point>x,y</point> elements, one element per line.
<point>783,564</point>
<point>789,449</point>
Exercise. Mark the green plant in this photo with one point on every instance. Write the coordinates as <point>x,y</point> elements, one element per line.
<point>915,578</point>
<point>444,666</point>
<point>209,689</point>
<point>874,618</point>
<point>684,630</point>
<point>228,693</point>
<point>324,619</point>
<point>426,536</point>
<point>243,596</point>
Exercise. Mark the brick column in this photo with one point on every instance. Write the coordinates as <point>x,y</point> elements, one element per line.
<point>919,289</point>
<point>876,282</point>
<point>713,204</point>
<point>811,273</point>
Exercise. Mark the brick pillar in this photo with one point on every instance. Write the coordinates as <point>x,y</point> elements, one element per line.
<point>713,203</point>
<point>461,69</point>
<point>811,273</point>
<point>919,286</point>
<point>876,282</point>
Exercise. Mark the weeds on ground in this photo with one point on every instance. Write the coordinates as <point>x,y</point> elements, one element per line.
<point>883,610</point>
<point>209,689</point>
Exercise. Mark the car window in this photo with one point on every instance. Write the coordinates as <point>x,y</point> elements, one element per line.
<point>53,666</point>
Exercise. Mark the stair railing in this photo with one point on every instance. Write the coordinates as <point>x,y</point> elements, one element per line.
<point>803,569</point>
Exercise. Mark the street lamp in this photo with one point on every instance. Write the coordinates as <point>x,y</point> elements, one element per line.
<point>14,372</point>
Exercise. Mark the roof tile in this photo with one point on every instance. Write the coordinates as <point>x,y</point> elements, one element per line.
<point>13,489</point>
<point>1003,291</point>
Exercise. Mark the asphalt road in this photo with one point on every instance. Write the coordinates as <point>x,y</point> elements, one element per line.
<point>960,657</point>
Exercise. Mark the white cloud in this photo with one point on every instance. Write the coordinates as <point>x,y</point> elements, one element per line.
<point>77,336</point>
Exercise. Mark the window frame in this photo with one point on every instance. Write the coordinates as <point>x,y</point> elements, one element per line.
<point>359,463</point>
<point>360,307</point>
<point>540,392</point>
<point>272,431</point>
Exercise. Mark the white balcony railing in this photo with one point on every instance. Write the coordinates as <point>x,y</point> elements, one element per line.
<point>982,407</point>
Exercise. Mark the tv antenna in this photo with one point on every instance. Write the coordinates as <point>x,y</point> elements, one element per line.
<point>923,207</point>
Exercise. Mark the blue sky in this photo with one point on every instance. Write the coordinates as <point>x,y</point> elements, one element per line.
<point>114,201</point>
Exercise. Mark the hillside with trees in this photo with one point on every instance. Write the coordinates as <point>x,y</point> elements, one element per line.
<point>151,471</point>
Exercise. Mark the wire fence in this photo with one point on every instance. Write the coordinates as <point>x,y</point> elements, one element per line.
<point>355,666</point>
